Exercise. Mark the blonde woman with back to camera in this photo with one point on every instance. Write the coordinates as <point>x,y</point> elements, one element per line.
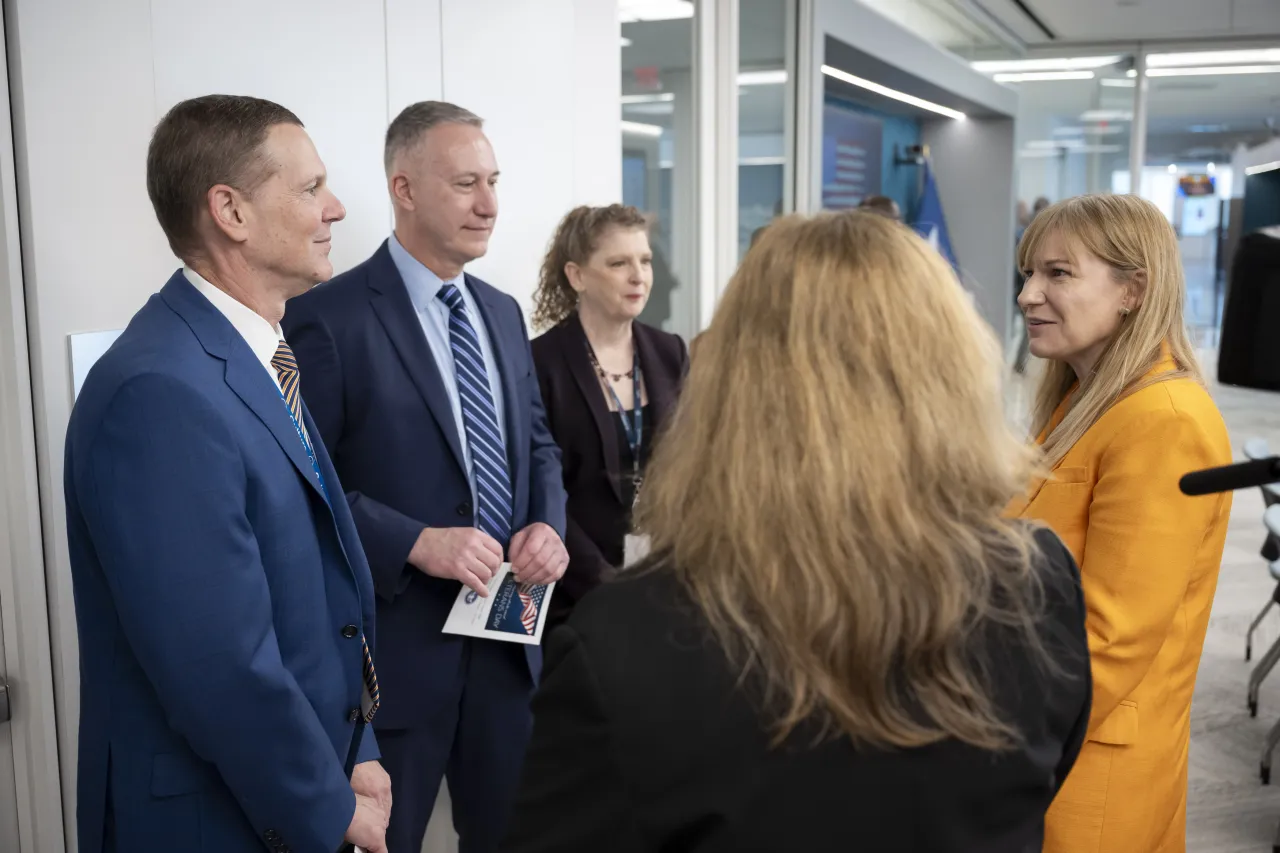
<point>1121,415</point>
<point>839,641</point>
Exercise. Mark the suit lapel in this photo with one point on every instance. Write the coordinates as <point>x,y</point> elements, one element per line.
<point>244,374</point>
<point>252,385</point>
<point>662,392</point>
<point>574,349</point>
<point>489,314</point>
<point>348,538</point>
<point>394,309</point>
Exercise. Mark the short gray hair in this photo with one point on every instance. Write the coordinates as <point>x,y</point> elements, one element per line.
<point>416,119</point>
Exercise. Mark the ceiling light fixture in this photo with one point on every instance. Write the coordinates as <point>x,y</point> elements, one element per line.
<point>846,77</point>
<point>1213,71</point>
<point>1173,169</point>
<point>653,98</point>
<point>1040,76</point>
<point>626,42</point>
<point>1106,115</point>
<point>1213,57</point>
<point>631,11</point>
<point>1069,63</point>
<point>638,129</point>
<point>1118,82</point>
<point>1264,167</point>
<point>772,77</point>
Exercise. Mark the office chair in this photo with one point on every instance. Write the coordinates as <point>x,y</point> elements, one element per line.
<point>1257,448</point>
<point>1272,521</point>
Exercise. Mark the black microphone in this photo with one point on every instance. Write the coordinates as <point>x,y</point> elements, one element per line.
<point>1228,478</point>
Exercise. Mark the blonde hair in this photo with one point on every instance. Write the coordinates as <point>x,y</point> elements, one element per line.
<point>576,239</point>
<point>1130,235</point>
<point>830,488</point>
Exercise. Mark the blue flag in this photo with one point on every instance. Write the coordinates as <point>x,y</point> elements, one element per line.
<point>930,223</point>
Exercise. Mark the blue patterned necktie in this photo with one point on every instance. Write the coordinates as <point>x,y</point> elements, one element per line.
<point>287,371</point>
<point>480,420</point>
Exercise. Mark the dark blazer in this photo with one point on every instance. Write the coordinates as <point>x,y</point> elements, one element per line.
<point>219,599</point>
<point>380,404</point>
<point>583,426</point>
<point>642,726</point>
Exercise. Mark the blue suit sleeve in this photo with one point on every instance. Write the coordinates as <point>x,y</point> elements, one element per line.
<point>166,489</point>
<point>386,534</point>
<point>547,497</point>
<point>368,747</point>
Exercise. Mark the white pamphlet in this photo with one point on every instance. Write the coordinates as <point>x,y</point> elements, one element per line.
<point>514,612</point>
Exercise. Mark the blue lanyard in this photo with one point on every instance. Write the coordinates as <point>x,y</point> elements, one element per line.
<point>634,425</point>
<point>306,445</point>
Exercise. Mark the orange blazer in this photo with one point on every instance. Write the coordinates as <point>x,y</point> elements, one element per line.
<point>1149,560</point>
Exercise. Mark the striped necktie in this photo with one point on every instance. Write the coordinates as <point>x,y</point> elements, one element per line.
<point>287,371</point>
<point>480,421</point>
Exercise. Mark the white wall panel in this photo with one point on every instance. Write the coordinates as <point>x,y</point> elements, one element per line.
<point>415,70</point>
<point>84,105</point>
<point>324,59</point>
<point>515,65</point>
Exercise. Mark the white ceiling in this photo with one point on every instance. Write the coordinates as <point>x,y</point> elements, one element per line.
<point>1136,20</point>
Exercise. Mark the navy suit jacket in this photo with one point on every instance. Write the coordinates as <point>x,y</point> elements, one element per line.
<point>215,591</point>
<point>379,401</point>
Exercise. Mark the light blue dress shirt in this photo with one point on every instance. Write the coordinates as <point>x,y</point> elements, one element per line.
<point>433,315</point>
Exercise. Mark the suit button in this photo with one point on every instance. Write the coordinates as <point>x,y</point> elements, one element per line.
<point>464,508</point>
<point>271,835</point>
<point>354,716</point>
<point>350,631</point>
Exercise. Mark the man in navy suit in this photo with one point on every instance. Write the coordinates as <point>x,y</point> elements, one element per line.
<point>224,604</point>
<point>422,385</point>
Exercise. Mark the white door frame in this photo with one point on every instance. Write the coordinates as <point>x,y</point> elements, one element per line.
<point>24,615</point>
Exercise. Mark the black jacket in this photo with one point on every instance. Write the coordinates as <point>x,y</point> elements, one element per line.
<point>643,741</point>
<point>583,427</point>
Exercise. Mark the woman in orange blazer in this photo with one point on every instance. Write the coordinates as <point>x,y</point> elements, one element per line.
<point>1121,415</point>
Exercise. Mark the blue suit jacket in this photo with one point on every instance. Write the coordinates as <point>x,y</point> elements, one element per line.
<point>213,584</point>
<point>380,402</point>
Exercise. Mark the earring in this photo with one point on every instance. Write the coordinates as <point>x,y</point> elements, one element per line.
<point>1124,312</point>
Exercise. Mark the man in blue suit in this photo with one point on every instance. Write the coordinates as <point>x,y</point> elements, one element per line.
<point>224,604</point>
<point>422,385</point>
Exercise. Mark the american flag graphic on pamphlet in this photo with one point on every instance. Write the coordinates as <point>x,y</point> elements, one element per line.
<point>514,612</point>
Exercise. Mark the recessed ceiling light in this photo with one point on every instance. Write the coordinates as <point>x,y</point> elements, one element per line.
<point>1106,115</point>
<point>1213,57</point>
<point>1069,63</point>
<point>846,77</point>
<point>772,77</point>
<point>631,11</point>
<point>638,129</point>
<point>1040,76</point>
<point>652,98</point>
<point>1213,71</point>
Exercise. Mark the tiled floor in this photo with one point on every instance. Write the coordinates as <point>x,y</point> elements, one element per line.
<point>1229,809</point>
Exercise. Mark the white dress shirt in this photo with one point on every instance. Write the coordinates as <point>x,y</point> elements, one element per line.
<point>261,337</point>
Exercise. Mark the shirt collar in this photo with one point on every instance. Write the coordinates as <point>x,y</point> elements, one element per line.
<point>261,336</point>
<point>422,283</point>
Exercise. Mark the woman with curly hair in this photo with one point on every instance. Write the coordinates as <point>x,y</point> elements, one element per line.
<point>608,381</point>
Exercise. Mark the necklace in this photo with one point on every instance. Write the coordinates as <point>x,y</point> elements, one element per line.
<point>615,377</point>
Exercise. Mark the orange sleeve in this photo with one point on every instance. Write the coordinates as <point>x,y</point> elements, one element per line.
<point>1140,552</point>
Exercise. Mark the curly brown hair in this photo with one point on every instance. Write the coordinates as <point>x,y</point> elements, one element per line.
<point>576,238</point>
